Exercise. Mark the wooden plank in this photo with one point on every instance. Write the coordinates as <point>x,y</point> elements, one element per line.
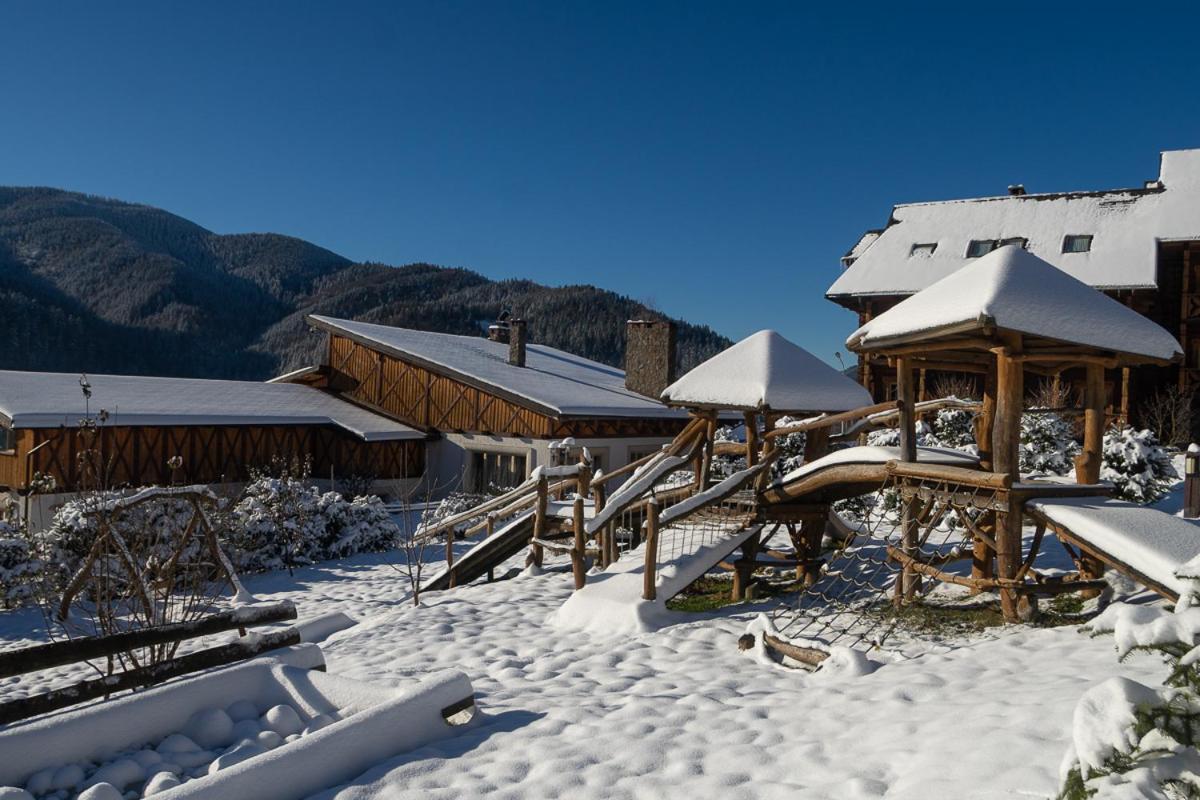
<point>57,654</point>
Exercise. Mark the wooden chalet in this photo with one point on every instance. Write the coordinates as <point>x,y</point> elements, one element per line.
<point>179,430</point>
<point>1140,246</point>
<point>500,406</point>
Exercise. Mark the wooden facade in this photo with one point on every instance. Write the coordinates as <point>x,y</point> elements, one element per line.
<point>431,401</point>
<point>1175,305</point>
<point>138,455</point>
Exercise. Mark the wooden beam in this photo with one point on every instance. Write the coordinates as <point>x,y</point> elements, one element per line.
<point>906,402</point>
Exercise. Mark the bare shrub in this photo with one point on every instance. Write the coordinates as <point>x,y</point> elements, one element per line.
<point>1051,394</point>
<point>962,385</point>
<point>1170,413</point>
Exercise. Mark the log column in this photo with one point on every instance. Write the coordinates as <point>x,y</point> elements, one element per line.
<point>751,421</point>
<point>906,397</point>
<point>983,560</point>
<point>812,528</point>
<point>1087,463</point>
<point>1006,439</point>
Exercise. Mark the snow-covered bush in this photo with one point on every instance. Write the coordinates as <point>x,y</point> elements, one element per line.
<point>1136,464</point>
<point>1133,740</point>
<point>451,504</point>
<point>955,428</point>
<point>18,568</point>
<point>283,522</point>
<point>1048,446</point>
<point>791,447</point>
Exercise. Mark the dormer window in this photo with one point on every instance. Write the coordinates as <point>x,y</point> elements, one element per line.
<point>980,247</point>
<point>922,249</point>
<point>1077,243</point>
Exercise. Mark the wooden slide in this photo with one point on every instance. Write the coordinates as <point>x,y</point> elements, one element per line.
<point>502,545</point>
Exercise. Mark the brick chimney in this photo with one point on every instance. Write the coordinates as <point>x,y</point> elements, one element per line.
<point>516,342</point>
<point>649,356</point>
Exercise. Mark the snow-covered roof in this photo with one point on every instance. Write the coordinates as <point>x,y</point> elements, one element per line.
<point>1126,226</point>
<point>555,382</point>
<point>53,399</point>
<point>1014,290</point>
<point>765,370</point>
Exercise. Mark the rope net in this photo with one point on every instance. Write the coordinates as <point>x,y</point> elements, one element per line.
<point>850,603</point>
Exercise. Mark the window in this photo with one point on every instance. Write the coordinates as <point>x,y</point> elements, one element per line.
<point>1077,244</point>
<point>922,249</point>
<point>8,440</point>
<point>980,247</point>
<point>493,472</point>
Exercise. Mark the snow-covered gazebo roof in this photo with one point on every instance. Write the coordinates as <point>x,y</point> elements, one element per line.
<point>766,371</point>
<point>1012,290</point>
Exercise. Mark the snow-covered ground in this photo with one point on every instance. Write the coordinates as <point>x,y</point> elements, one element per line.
<point>681,712</point>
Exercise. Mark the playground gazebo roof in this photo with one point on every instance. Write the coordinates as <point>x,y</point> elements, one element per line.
<point>766,372</point>
<point>1012,291</point>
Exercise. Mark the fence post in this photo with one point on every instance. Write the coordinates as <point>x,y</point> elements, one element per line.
<point>449,555</point>
<point>583,485</point>
<point>539,518</point>
<point>577,562</point>
<point>648,579</point>
<point>1191,482</point>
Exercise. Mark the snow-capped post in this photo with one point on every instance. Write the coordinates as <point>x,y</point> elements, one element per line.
<point>1191,482</point>
<point>1006,442</point>
<point>648,577</point>
<point>577,551</point>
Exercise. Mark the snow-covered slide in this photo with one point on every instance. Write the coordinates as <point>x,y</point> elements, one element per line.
<point>852,471</point>
<point>695,535</point>
<point>1144,543</point>
<point>502,545</point>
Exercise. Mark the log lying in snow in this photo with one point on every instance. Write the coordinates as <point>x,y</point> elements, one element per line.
<point>810,656</point>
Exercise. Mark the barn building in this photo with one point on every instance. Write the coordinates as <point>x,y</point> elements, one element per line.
<point>1140,246</point>
<point>499,406</point>
<point>149,430</point>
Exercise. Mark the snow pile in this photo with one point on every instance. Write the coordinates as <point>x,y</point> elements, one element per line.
<point>1136,464</point>
<point>1131,740</point>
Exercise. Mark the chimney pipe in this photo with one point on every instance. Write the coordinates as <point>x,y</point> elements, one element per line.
<point>1017,189</point>
<point>649,356</point>
<point>498,332</point>
<point>516,342</point>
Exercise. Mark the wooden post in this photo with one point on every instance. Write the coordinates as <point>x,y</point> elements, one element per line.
<point>816,444</point>
<point>1006,438</point>
<point>905,395</point>
<point>751,421</point>
<point>743,568</point>
<point>908,543</point>
<point>1088,463</point>
<point>449,555</point>
<point>539,518</point>
<point>649,591</point>
<point>1191,482</point>
<point>983,558</point>
<point>812,529</point>
<point>577,551</point>
<point>583,486</point>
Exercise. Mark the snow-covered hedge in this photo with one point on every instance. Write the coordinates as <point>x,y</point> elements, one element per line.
<point>1132,740</point>
<point>1136,464</point>
<point>285,522</point>
<point>17,567</point>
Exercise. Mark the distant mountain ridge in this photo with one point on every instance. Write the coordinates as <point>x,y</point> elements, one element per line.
<point>99,285</point>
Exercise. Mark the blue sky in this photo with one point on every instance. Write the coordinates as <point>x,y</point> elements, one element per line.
<point>715,159</point>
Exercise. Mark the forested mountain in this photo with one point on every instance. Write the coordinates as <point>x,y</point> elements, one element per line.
<point>98,285</point>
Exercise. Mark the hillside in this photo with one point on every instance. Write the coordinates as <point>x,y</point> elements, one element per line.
<point>99,285</point>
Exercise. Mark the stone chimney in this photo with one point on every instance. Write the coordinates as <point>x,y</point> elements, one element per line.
<point>498,332</point>
<point>649,356</point>
<point>516,342</point>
